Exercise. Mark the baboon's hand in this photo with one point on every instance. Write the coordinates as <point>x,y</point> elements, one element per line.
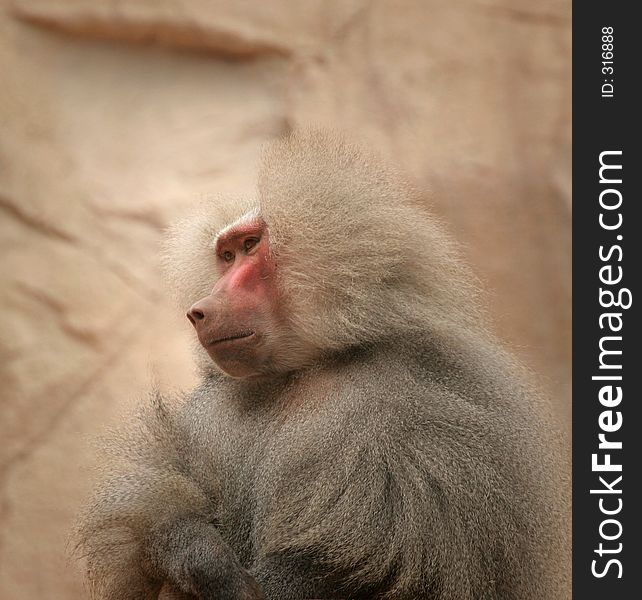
<point>194,558</point>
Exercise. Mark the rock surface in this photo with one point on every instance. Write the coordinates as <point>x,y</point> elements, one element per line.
<point>115,116</point>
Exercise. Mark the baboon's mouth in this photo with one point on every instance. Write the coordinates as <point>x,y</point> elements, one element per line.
<point>231,338</point>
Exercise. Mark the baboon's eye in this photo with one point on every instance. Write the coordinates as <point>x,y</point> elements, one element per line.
<point>228,256</point>
<point>249,243</point>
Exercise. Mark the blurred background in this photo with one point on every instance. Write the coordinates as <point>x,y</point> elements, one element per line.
<point>116,116</point>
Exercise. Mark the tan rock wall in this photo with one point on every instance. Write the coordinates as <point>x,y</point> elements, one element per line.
<point>115,116</point>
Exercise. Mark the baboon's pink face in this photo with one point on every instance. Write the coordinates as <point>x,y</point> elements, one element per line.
<point>237,323</point>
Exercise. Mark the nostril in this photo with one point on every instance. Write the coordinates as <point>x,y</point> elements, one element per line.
<point>195,314</point>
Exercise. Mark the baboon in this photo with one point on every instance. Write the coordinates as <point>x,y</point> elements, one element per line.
<point>357,433</point>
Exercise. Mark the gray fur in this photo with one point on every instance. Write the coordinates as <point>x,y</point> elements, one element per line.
<point>398,453</point>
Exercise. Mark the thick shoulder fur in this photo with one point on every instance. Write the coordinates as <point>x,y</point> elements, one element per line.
<point>425,486</point>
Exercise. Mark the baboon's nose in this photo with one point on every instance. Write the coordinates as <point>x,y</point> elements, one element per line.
<point>196,314</point>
